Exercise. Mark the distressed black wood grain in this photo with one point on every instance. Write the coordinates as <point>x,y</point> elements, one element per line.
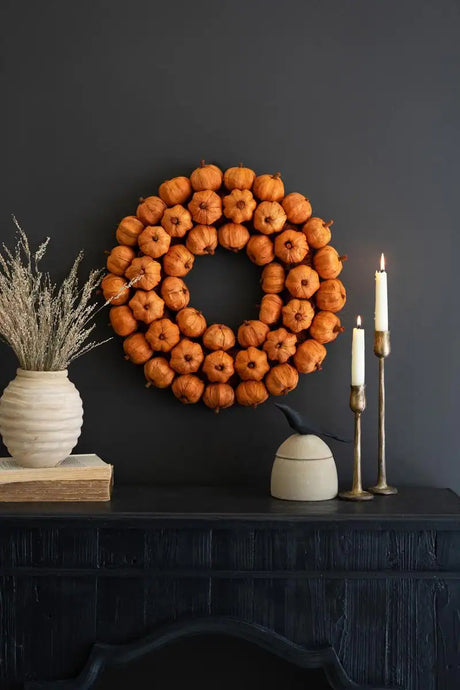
<point>383,592</point>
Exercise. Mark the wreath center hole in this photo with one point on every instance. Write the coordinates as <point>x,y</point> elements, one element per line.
<point>225,288</point>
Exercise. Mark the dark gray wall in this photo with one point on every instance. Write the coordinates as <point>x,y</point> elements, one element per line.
<point>357,103</point>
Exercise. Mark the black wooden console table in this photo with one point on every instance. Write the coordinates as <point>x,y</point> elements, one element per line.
<point>370,593</point>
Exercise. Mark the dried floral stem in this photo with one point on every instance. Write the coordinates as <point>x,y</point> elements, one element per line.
<point>46,326</point>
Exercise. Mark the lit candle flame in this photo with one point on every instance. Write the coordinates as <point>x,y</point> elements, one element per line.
<point>358,322</point>
<point>382,262</point>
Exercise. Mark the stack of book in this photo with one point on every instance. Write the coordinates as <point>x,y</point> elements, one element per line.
<point>78,478</point>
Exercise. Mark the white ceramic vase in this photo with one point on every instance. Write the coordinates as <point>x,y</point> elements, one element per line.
<point>304,470</point>
<point>41,416</point>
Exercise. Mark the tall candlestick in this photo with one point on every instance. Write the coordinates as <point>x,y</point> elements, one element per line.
<point>382,350</point>
<point>357,355</point>
<point>381,297</point>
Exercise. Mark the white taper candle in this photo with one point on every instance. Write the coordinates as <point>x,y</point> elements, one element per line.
<point>357,355</point>
<point>381,298</point>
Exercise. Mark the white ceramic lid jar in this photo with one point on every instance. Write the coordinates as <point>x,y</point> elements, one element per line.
<point>304,470</point>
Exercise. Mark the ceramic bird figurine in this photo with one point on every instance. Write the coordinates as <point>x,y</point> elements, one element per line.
<point>298,423</point>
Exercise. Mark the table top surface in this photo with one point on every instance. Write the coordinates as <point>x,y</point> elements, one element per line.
<point>244,503</point>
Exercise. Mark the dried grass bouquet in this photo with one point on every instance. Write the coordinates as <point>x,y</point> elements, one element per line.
<point>46,326</point>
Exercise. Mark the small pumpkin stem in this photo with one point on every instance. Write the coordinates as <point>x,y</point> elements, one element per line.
<point>217,410</point>
<point>202,163</point>
<point>106,251</point>
<point>276,175</point>
<point>343,258</point>
<point>148,384</point>
<point>240,164</point>
<point>319,367</point>
<point>126,357</point>
<point>329,223</point>
<point>338,329</point>
<point>141,199</point>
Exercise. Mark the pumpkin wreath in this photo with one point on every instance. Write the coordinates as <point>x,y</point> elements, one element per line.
<point>237,210</point>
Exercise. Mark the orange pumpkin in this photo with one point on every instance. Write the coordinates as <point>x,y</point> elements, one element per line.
<point>137,349</point>
<point>154,241</point>
<point>270,309</point>
<point>252,333</point>
<point>325,327</point>
<point>331,296</point>
<point>281,379</point>
<point>175,191</point>
<point>269,217</point>
<point>298,315</point>
<point>218,396</point>
<point>175,293</point>
<point>260,250</point>
<point>317,232</point>
<point>218,337</point>
<point>177,221</point>
<point>205,207</point>
<point>144,272</point>
<point>150,210</point>
<point>239,177</point>
<point>218,366</point>
<point>233,236</point>
<point>186,357</point>
<point>178,261</point>
<point>202,240</point>
<point>251,364</point>
<point>115,289</point>
<point>280,345</point>
<point>158,372</point>
<point>129,230</point>
<point>191,322</point>
<point>239,205</point>
<point>302,282</point>
<point>119,259</point>
<point>291,246</point>
<point>251,393</point>
<point>309,356</point>
<point>268,187</point>
<point>122,320</point>
<point>328,263</point>
<point>188,388</point>
<point>272,279</point>
<point>163,335</point>
<point>297,207</point>
<point>207,176</point>
<point>146,306</point>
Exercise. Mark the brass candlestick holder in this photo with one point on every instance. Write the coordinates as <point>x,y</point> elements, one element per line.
<point>358,405</point>
<point>382,349</point>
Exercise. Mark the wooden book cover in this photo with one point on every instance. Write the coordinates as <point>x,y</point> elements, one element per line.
<point>78,478</point>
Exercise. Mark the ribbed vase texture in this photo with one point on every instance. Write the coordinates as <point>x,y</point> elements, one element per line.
<point>41,416</point>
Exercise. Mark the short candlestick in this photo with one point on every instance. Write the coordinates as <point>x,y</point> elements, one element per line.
<point>357,405</point>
